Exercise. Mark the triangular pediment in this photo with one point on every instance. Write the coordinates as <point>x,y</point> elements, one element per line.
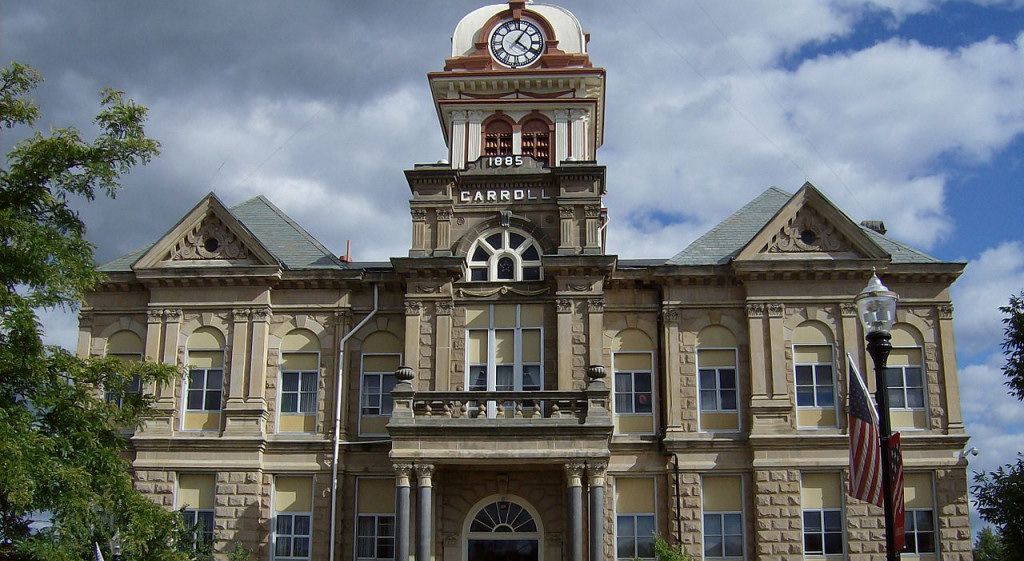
<point>208,236</point>
<point>809,226</point>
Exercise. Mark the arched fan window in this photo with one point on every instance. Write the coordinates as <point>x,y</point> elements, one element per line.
<point>504,255</point>
<point>503,517</point>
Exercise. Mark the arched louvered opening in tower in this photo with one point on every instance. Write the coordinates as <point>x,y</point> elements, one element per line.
<point>536,135</point>
<point>498,138</point>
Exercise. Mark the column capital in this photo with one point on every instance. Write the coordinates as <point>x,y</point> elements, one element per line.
<point>847,309</point>
<point>424,473</point>
<point>154,316</point>
<point>413,307</point>
<point>945,311</point>
<point>173,315</point>
<point>596,473</point>
<point>775,310</point>
<point>240,315</point>
<point>755,310</point>
<point>595,305</point>
<point>574,471</point>
<point>402,473</point>
<point>563,305</point>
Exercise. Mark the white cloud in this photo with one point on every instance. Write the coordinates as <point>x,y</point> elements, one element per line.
<point>987,284</point>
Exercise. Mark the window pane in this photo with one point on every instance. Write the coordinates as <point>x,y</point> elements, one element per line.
<point>805,396</point>
<point>733,524</point>
<point>281,549</point>
<point>309,381</point>
<point>813,543</point>
<point>894,377</point>
<point>289,403</point>
<point>214,379</point>
<point>480,254</point>
<point>212,402</point>
<point>734,546</point>
<point>823,373</point>
<point>301,547</point>
<point>531,377</point>
<point>826,397</point>
<point>495,241</point>
<point>914,376</point>
<point>284,524</point>
<point>833,543</point>
<point>196,379</point>
<point>713,545</point>
<point>623,382</point>
<point>625,526</point>
<point>642,381</point>
<point>896,398</point>
<point>624,548</point>
<point>531,273</point>
<point>915,398</point>
<point>833,521</point>
<point>365,547</point>
<point>709,400</point>
<point>707,379</point>
<point>644,526</point>
<point>290,381</point>
<point>804,375</point>
<point>195,400</point>
<point>531,254</point>
<point>812,521</point>
<point>729,400</point>
<point>727,378</point>
<point>478,274</point>
<point>506,268</point>
<point>302,525</point>
<point>713,524</point>
<point>645,546</point>
<point>515,240</point>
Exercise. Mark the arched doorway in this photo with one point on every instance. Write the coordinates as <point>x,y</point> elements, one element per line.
<point>503,530</point>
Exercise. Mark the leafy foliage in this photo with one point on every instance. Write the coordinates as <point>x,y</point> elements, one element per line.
<point>667,552</point>
<point>989,546</point>
<point>1000,498</point>
<point>1013,345</point>
<point>62,449</point>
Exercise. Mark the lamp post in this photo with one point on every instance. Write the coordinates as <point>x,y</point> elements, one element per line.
<point>876,306</point>
<point>115,545</point>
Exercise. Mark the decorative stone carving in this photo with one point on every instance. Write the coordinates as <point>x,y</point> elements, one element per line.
<point>402,473</point>
<point>210,239</point>
<point>426,288</point>
<point>808,231</point>
<point>240,315</point>
<point>596,472</point>
<point>460,220</point>
<point>261,314</point>
<point>505,218</point>
<point>945,311</point>
<point>592,211</point>
<point>596,372</point>
<point>172,315</point>
<point>413,307</point>
<point>444,214</point>
<point>563,305</point>
<point>670,315</point>
<point>459,115</point>
<point>404,374</point>
<point>579,287</point>
<point>755,310</point>
<point>154,316</point>
<point>595,305</point>
<point>444,307</point>
<point>502,290</point>
<point>423,474</point>
<point>566,211</point>
<point>574,473</point>
<point>775,310</point>
<point>848,309</point>
<point>418,214</point>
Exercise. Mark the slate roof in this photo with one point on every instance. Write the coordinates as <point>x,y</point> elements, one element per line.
<point>723,242</point>
<point>288,242</point>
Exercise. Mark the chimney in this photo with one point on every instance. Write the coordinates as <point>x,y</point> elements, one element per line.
<point>347,258</point>
<point>876,225</point>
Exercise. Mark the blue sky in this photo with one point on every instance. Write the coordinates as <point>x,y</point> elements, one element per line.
<point>908,111</point>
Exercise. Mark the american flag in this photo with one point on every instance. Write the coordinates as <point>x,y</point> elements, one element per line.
<point>865,452</point>
<point>898,508</point>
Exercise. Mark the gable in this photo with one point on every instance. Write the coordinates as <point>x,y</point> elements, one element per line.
<point>809,226</point>
<point>208,236</point>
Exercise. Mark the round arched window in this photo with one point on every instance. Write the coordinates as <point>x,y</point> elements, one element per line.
<point>504,255</point>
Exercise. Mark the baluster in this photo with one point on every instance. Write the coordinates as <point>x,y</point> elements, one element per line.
<point>447,410</point>
<point>463,412</point>
<point>428,411</point>
<point>481,410</point>
<point>519,409</point>
<point>501,409</point>
<point>556,412</point>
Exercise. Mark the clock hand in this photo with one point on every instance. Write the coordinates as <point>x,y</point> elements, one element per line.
<point>519,41</point>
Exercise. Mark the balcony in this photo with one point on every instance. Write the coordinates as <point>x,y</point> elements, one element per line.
<point>499,426</point>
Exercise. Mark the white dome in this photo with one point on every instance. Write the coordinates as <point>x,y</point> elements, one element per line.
<point>568,31</point>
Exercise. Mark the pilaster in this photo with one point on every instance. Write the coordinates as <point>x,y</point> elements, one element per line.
<point>443,344</point>
<point>239,338</point>
<point>567,244</point>
<point>561,136</point>
<point>458,140</point>
<point>413,311</point>
<point>443,247</point>
<point>954,416</point>
<point>564,308</point>
<point>592,243</point>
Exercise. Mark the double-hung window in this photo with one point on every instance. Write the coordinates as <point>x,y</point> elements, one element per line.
<point>298,386</point>
<point>908,387</point>
<point>298,392</point>
<point>195,498</point>
<point>634,518</point>
<point>822,506</point>
<point>380,356</point>
<point>375,518</point>
<point>919,498</point>
<point>205,387</point>
<point>633,389</point>
<point>718,380</point>
<point>722,501</point>
<point>815,386</point>
<point>633,392</point>
<point>293,517</point>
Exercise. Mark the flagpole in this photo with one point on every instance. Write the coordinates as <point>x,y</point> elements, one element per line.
<point>879,346</point>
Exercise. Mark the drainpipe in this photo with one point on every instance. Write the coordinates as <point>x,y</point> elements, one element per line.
<point>679,521</point>
<point>337,419</point>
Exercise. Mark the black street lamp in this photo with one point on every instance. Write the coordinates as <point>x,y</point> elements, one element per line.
<point>876,306</point>
<point>115,545</point>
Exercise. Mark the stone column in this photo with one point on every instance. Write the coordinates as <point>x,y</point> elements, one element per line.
<point>413,309</point>
<point>419,233</point>
<point>949,369</point>
<point>672,352</point>
<point>443,246</point>
<point>780,390</point>
<point>402,472</point>
<point>574,472</point>
<point>564,308</point>
<point>443,345</point>
<point>458,140</point>
<point>424,526</point>
<point>592,244</point>
<point>595,328</point>
<point>579,135</point>
<point>258,358</point>
<point>567,238</point>
<point>595,473</point>
<point>474,137</point>
<point>758,374</point>
<point>239,336</point>
<point>561,137</point>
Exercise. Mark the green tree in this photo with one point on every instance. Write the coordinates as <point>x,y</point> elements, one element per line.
<point>61,444</point>
<point>1000,493</point>
<point>989,546</point>
<point>1013,345</point>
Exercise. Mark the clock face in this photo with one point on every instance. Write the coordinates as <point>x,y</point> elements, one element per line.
<point>516,43</point>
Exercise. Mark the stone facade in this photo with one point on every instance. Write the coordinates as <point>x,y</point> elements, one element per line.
<point>531,371</point>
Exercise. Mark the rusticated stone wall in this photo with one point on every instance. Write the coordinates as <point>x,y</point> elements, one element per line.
<point>777,511</point>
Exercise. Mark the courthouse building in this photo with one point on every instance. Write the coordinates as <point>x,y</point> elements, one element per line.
<point>508,390</point>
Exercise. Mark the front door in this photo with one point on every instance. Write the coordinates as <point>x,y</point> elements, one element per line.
<point>503,531</point>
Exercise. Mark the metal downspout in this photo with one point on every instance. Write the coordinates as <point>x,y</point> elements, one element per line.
<point>337,419</point>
